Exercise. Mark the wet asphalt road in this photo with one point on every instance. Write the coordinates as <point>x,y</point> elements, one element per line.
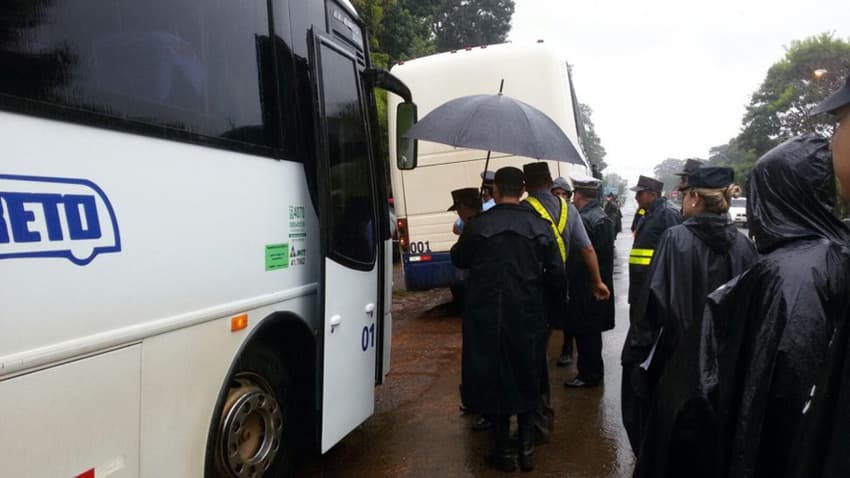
<point>417,429</point>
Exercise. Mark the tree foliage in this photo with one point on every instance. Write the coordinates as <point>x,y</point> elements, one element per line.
<point>666,171</point>
<point>780,108</point>
<point>592,143</point>
<point>404,29</point>
<point>463,23</point>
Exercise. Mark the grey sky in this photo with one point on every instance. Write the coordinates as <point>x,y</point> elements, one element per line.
<point>671,78</point>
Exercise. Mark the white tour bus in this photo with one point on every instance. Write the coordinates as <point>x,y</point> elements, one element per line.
<point>194,236</point>
<point>534,73</point>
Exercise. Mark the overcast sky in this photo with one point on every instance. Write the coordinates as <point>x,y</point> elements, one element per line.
<point>671,78</point>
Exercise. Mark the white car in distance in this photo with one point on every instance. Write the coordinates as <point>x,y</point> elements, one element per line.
<point>738,211</point>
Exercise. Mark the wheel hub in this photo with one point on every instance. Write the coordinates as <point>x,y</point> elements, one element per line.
<point>252,428</point>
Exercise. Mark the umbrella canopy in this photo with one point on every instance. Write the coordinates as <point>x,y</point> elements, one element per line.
<point>496,123</point>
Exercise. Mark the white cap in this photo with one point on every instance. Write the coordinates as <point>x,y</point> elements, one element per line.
<point>583,181</point>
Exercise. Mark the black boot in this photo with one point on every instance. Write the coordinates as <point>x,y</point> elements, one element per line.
<point>526,441</point>
<point>501,457</point>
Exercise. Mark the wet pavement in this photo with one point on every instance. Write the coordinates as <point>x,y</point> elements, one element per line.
<point>418,430</point>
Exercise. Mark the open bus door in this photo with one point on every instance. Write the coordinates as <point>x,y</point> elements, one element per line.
<point>348,208</point>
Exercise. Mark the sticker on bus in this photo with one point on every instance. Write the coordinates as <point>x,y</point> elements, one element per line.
<point>55,217</point>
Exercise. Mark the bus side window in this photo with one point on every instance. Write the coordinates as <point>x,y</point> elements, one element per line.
<point>354,236</point>
<point>176,65</point>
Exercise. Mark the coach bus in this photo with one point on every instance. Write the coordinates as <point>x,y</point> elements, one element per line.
<point>535,73</point>
<point>195,249</point>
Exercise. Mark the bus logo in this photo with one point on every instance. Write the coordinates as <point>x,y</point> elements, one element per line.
<point>55,217</point>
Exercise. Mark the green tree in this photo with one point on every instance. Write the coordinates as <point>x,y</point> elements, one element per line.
<point>590,140</point>
<point>461,23</point>
<point>665,172</point>
<point>731,155</point>
<point>781,106</point>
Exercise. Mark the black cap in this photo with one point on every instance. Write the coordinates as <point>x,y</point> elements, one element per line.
<point>691,165</point>
<point>470,197</point>
<point>488,177</point>
<point>711,177</point>
<point>536,172</point>
<point>646,183</point>
<point>837,100</point>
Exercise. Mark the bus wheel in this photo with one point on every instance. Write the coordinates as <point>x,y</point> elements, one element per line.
<point>254,434</point>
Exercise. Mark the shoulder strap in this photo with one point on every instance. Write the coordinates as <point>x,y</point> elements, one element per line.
<point>559,238</point>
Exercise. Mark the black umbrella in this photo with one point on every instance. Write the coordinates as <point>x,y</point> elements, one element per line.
<point>496,123</point>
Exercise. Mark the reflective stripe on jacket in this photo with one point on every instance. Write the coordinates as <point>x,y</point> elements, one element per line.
<point>557,229</point>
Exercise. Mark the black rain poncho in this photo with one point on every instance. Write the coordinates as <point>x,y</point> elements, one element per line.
<point>515,270</point>
<point>733,400</point>
<point>586,315</point>
<point>691,261</point>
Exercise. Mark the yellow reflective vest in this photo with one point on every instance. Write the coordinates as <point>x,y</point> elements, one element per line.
<point>558,229</point>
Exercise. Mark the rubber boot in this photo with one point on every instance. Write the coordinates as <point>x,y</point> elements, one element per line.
<point>526,441</point>
<point>501,457</point>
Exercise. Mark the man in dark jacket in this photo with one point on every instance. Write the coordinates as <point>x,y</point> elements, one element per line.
<point>660,216</point>
<point>612,209</point>
<point>587,317</point>
<point>515,269</point>
<point>743,394</point>
<point>568,230</point>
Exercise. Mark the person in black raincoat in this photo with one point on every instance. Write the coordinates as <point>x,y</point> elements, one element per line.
<point>735,397</point>
<point>588,317</point>
<point>660,216</point>
<point>515,270</point>
<point>693,259</point>
<point>612,209</point>
<point>824,427</point>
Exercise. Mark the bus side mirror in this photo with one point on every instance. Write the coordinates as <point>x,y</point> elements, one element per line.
<point>406,148</point>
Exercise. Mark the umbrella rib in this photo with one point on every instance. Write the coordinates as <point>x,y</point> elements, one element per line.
<point>530,129</point>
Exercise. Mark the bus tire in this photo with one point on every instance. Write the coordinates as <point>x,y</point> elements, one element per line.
<point>254,437</point>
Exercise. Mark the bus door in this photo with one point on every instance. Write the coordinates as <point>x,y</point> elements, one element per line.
<point>350,234</point>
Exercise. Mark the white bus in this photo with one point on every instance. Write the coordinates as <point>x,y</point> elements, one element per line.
<point>534,73</point>
<point>194,235</point>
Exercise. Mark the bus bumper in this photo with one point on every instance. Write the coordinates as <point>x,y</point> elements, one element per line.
<point>430,271</point>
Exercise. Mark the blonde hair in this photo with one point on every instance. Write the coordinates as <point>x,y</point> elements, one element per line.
<point>717,200</point>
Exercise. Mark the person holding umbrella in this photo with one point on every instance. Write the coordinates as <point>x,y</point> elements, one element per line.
<point>485,199</point>
<point>515,270</point>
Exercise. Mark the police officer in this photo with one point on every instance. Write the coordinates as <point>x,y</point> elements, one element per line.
<point>660,216</point>
<point>588,318</point>
<point>569,234</point>
<point>691,165</point>
<point>486,199</point>
<point>564,218</point>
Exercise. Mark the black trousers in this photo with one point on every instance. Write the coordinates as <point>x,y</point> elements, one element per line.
<point>634,401</point>
<point>589,365</point>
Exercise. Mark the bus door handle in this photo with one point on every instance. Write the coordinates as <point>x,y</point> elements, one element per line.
<point>370,310</point>
<point>335,321</point>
